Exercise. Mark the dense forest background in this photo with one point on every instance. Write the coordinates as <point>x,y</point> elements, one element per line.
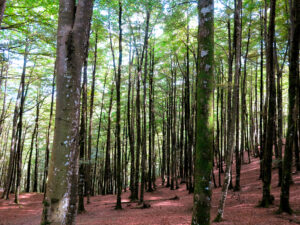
<point>140,96</point>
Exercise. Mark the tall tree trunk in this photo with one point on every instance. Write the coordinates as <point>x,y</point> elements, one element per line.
<point>293,76</point>
<point>173,124</point>
<point>163,160</point>
<point>237,43</point>
<point>36,164</point>
<point>144,141</point>
<point>107,171</point>
<point>90,135</point>
<point>279,112</point>
<point>168,137</point>
<point>82,140</point>
<point>29,161</point>
<point>11,166</point>
<point>261,125</point>
<point>233,111</point>
<point>20,125</point>
<point>47,153</point>
<point>204,113</point>
<point>267,199</point>
<point>187,114</point>
<point>84,155</point>
<point>61,194</point>
<point>138,134</point>
<point>118,126</point>
<point>130,125</point>
<point>98,137</point>
<point>151,125</point>
<point>243,145</point>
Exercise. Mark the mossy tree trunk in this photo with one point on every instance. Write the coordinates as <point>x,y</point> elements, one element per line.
<point>204,113</point>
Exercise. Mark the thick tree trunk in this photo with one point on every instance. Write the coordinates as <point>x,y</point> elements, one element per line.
<point>293,76</point>
<point>73,28</point>
<point>204,113</point>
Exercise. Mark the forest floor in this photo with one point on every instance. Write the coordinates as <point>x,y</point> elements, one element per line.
<point>240,206</point>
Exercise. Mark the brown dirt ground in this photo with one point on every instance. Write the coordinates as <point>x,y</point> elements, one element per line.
<point>240,206</point>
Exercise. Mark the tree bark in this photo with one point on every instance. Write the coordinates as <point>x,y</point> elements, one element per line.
<point>2,9</point>
<point>144,140</point>
<point>61,194</point>
<point>47,154</point>
<point>267,199</point>
<point>20,125</point>
<point>118,125</point>
<point>204,113</point>
<point>233,115</point>
<point>292,116</point>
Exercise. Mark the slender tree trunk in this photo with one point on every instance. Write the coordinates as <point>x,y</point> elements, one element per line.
<point>90,135</point>
<point>29,161</point>
<point>187,107</point>
<point>163,161</point>
<point>84,154</point>
<point>11,166</point>
<point>168,139</point>
<point>144,141</point>
<point>151,125</point>
<point>47,153</point>
<point>36,164</point>
<point>237,43</point>
<point>267,199</point>
<point>20,125</point>
<point>261,128</point>
<point>98,138</point>
<point>118,127</point>
<point>244,103</point>
<point>233,115</point>
<point>130,125</point>
<point>107,172</point>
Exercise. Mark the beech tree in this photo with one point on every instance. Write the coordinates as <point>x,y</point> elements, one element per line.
<point>291,132</point>
<point>61,194</point>
<point>204,143</point>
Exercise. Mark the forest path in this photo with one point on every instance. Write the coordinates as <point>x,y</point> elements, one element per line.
<point>240,206</point>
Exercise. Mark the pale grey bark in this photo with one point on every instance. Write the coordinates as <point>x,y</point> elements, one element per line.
<point>61,193</point>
